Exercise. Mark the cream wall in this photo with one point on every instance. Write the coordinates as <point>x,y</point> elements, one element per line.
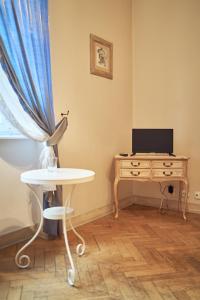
<point>16,210</point>
<point>167,76</point>
<point>100,109</point>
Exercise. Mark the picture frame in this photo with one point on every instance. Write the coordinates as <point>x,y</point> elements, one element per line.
<point>101,57</point>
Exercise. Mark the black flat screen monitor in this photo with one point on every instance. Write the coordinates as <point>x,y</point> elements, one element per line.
<point>152,141</point>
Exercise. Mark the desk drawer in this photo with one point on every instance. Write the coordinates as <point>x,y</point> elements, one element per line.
<point>135,164</point>
<point>167,173</point>
<point>135,173</point>
<point>167,164</point>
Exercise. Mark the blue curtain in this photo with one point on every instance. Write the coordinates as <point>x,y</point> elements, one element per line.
<point>25,56</point>
<point>25,41</point>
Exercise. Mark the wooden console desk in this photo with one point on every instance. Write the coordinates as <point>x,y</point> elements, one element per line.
<point>152,168</point>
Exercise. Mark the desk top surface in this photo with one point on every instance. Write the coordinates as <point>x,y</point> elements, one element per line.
<point>58,176</point>
<point>151,157</point>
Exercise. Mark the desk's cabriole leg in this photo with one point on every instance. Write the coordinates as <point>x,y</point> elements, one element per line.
<point>185,196</point>
<point>163,198</point>
<point>180,196</point>
<point>115,198</point>
<point>161,205</point>
<point>19,259</point>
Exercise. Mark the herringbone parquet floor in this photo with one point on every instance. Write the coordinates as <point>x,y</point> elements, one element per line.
<point>142,255</point>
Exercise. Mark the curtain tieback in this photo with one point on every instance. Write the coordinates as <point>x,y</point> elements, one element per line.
<point>48,147</point>
<point>55,138</point>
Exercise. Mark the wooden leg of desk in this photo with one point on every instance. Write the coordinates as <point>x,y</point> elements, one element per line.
<point>161,205</point>
<point>180,196</point>
<point>184,198</point>
<point>115,198</point>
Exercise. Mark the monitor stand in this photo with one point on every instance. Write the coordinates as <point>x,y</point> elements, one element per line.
<point>162,154</point>
<point>172,154</point>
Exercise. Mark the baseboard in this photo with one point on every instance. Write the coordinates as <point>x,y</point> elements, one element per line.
<point>126,202</point>
<point>17,236</point>
<point>27,232</point>
<point>192,207</point>
<point>100,212</point>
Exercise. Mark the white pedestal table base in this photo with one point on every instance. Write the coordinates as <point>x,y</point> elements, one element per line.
<point>55,213</point>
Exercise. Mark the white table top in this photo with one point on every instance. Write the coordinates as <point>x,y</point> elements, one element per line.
<point>59,176</point>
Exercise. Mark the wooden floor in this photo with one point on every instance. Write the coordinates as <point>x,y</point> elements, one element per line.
<point>143,255</point>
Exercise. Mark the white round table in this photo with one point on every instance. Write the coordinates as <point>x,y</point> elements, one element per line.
<point>60,176</point>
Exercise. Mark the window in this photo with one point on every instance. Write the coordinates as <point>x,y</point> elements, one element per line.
<point>7,131</point>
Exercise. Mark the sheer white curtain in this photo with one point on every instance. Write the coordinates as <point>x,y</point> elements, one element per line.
<point>25,58</point>
<point>13,111</point>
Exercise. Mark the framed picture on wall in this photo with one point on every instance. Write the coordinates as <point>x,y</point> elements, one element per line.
<point>101,57</point>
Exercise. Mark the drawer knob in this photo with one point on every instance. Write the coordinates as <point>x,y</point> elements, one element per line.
<point>168,164</point>
<point>167,173</point>
<point>135,164</point>
<point>135,173</point>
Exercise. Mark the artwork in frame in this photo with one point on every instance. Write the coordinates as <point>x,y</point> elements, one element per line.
<point>101,57</point>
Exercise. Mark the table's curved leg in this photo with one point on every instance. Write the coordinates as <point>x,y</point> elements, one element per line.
<point>71,271</point>
<point>115,198</point>
<point>80,248</point>
<point>18,258</point>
